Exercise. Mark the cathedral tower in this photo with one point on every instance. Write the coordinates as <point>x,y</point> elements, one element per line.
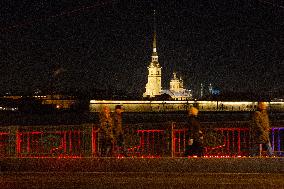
<point>154,84</point>
<point>176,84</point>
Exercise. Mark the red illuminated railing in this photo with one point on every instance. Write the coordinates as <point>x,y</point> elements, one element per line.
<point>152,142</point>
<point>60,141</point>
<point>48,143</point>
<point>235,142</point>
<point>4,144</point>
<point>79,141</point>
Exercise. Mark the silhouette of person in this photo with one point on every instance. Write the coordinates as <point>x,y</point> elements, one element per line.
<point>118,130</point>
<point>106,138</point>
<point>259,131</point>
<point>195,144</point>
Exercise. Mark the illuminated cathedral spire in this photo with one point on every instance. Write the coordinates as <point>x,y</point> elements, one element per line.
<point>155,53</point>
<point>154,84</point>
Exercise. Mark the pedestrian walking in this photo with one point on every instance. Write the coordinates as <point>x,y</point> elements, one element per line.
<point>194,147</point>
<point>118,131</point>
<point>259,131</point>
<point>106,137</point>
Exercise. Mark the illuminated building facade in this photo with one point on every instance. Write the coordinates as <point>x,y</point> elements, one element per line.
<point>174,106</point>
<point>176,91</point>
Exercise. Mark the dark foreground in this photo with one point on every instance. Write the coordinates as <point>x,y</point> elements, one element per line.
<point>143,173</point>
<point>140,180</point>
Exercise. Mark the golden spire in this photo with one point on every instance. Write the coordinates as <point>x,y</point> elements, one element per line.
<point>155,54</point>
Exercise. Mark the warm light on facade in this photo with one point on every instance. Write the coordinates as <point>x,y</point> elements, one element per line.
<point>157,106</point>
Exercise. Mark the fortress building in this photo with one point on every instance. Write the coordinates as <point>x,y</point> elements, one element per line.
<point>176,91</point>
<point>154,84</point>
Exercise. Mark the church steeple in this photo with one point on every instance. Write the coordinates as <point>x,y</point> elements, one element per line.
<point>154,84</point>
<point>155,53</point>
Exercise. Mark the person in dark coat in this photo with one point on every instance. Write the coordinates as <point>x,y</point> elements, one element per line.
<point>259,131</point>
<point>106,137</point>
<point>118,131</point>
<point>194,146</point>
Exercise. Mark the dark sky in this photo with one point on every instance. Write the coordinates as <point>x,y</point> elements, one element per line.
<point>236,45</point>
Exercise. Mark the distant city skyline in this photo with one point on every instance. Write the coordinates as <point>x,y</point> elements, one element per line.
<point>235,45</point>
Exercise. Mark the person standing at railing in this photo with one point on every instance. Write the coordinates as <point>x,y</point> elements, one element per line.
<point>194,147</point>
<point>106,137</point>
<point>118,131</point>
<point>259,131</point>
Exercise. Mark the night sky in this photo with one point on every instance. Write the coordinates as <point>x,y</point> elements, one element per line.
<point>236,45</point>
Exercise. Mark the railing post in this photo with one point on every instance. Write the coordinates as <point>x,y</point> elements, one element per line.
<point>70,143</point>
<point>239,141</point>
<point>279,141</point>
<point>18,143</point>
<point>94,141</point>
<point>13,141</point>
<point>64,142</point>
<point>173,139</point>
<point>272,133</point>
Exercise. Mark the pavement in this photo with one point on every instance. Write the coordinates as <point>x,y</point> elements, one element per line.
<point>136,173</point>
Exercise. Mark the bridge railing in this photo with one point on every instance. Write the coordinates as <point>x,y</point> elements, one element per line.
<point>277,140</point>
<point>167,140</point>
<point>44,141</point>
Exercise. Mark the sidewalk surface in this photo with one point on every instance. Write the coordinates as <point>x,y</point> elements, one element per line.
<point>143,173</point>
